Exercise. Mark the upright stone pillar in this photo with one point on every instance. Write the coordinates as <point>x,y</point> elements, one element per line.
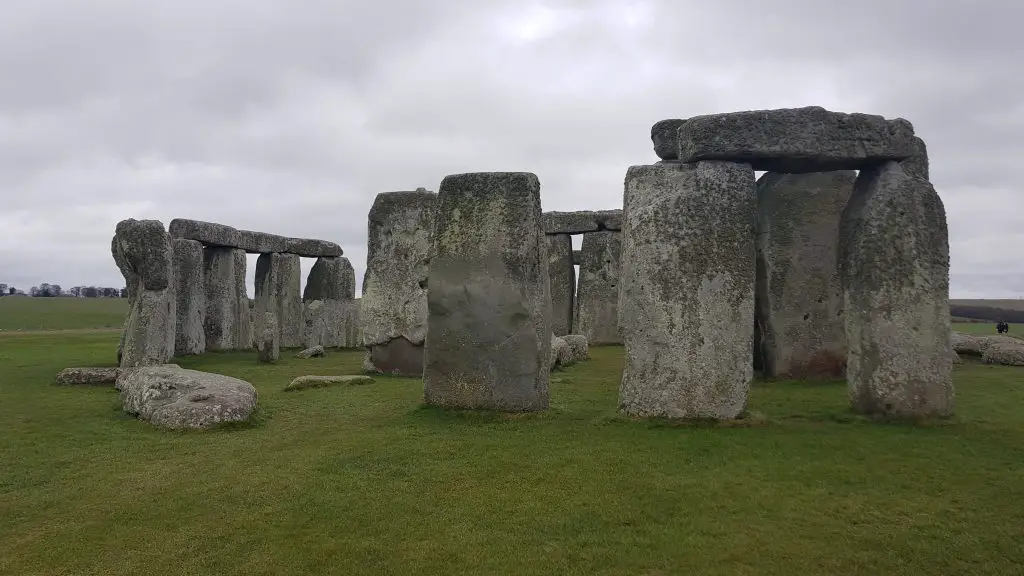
<point>329,287</point>
<point>894,265</point>
<point>563,283</point>
<point>142,250</point>
<point>266,308</point>
<point>489,339</point>
<point>394,302</point>
<point>597,300</point>
<point>226,324</point>
<point>799,296</point>
<point>289,293</point>
<point>686,304</point>
<point>190,294</point>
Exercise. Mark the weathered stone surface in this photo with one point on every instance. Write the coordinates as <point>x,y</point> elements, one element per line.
<point>686,304</point>
<point>330,279</point>
<point>351,332</point>
<point>1005,353</point>
<point>579,346</point>
<point>597,296</point>
<point>311,352</point>
<point>394,299</point>
<point>329,287</point>
<point>226,321</point>
<point>577,257</point>
<point>561,354</point>
<point>289,294</point>
<point>213,234</point>
<point>583,221</point>
<point>190,306</point>
<point>269,344</point>
<point>976,344</point>
<point>796,140</point>
<point>894,265</point>
<point>489,342</point>
<point>304,382</point>
<point>799,295</point>
<point>80,376</point>
<point>172,397</point>
<point>665,136</point>
<point>563,282</point>
<point>917,164</point>
<point>143,249</point>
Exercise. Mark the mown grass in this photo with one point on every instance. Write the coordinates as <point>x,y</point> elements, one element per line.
<point>21,313</point>
<point>987,328</point>
<point>364,480</point>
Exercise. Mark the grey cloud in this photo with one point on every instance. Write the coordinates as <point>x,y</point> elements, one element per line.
<point>267,116</point>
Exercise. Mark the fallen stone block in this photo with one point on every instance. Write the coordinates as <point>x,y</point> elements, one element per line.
<point>172,397</point>
<point>312,352</point>
<point>81,376</point>
<point>305,382</point>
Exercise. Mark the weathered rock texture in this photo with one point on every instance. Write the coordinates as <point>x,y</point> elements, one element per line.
<point>795,140</point>
<point>686,304</point>
<point>212,234</point>
<point>489,342</point>
<point>304,382</point>
<point>561,353</point>
<point>577,257</point>
<point>894,265</point>
<point>330,289</point>
<point>583,221</point>
<point>172,397</point>
<point>289,294</point>
<point>563,283</point>
<point>917,165</point>
<point>142,251</point>
<point>1006,353</point>
<point>190,306</point>
<point>226,321</point>
<point>265,308</point>
<point>579,346</point>
<point>665,136</point>
<point>976,344</point>
<point>312,352</point>
<point>87,376</point>
<point>597,297</point>
<point>393,312</point>
<point>799,295</point>
<point>268,346</point>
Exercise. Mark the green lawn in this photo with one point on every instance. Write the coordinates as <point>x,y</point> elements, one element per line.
<point>363,480</point>
<point>24,313</point>
<point>988,328</point>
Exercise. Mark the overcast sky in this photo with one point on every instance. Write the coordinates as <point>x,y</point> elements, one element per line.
<point>289,117</point>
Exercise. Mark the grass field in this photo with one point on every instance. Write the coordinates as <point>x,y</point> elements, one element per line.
<point>23,313</point>
<point>364,480</point>
<point>987,328</point>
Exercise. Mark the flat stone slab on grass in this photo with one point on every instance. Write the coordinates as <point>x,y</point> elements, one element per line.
<point>172,397</point>
<point>797,140</point>
<point>304,382</point>
<point>88,376</point>
<point>213,234</point>
<point>312,352</point>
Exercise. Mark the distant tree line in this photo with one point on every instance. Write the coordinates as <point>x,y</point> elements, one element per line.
<point>46,290</point>
<point>991,314</point>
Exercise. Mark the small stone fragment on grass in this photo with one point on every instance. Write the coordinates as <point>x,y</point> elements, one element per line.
<point>303,382</point>
<point>314,351</point>
<point>87,376</point>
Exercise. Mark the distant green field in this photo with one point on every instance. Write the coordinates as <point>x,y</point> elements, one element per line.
<point>987,328</point>
<point>24,313</point>
<point>1006,304</point>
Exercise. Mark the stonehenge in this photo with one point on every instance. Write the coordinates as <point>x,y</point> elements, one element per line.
<point>870,253</point>
<point>799,302</point>
<point>562,273</point>
<point>393,312</point>
<point>187,292</point>
<point>488,343</point>
<point>686,303</point>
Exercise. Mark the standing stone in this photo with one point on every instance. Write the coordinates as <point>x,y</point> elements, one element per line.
<point>394,302</point>
<point>190,294</point>
<point>269,344</point>
<point>329,286</point>
<point>597,299</point>
<point>799,296</point>
<point>143,249</point>
<point>131,280</point>
<point>665,136</point>
<point>289,312</point>
<point>563,283</point>
<point>894,265</point>
<point>226,322</point>
<point>686,304</point>
<point>489,341</point>
<point>917,165</point>
<point>266,284</point>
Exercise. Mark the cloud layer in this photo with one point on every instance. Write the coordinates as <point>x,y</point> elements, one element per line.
<point>289,118</point>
